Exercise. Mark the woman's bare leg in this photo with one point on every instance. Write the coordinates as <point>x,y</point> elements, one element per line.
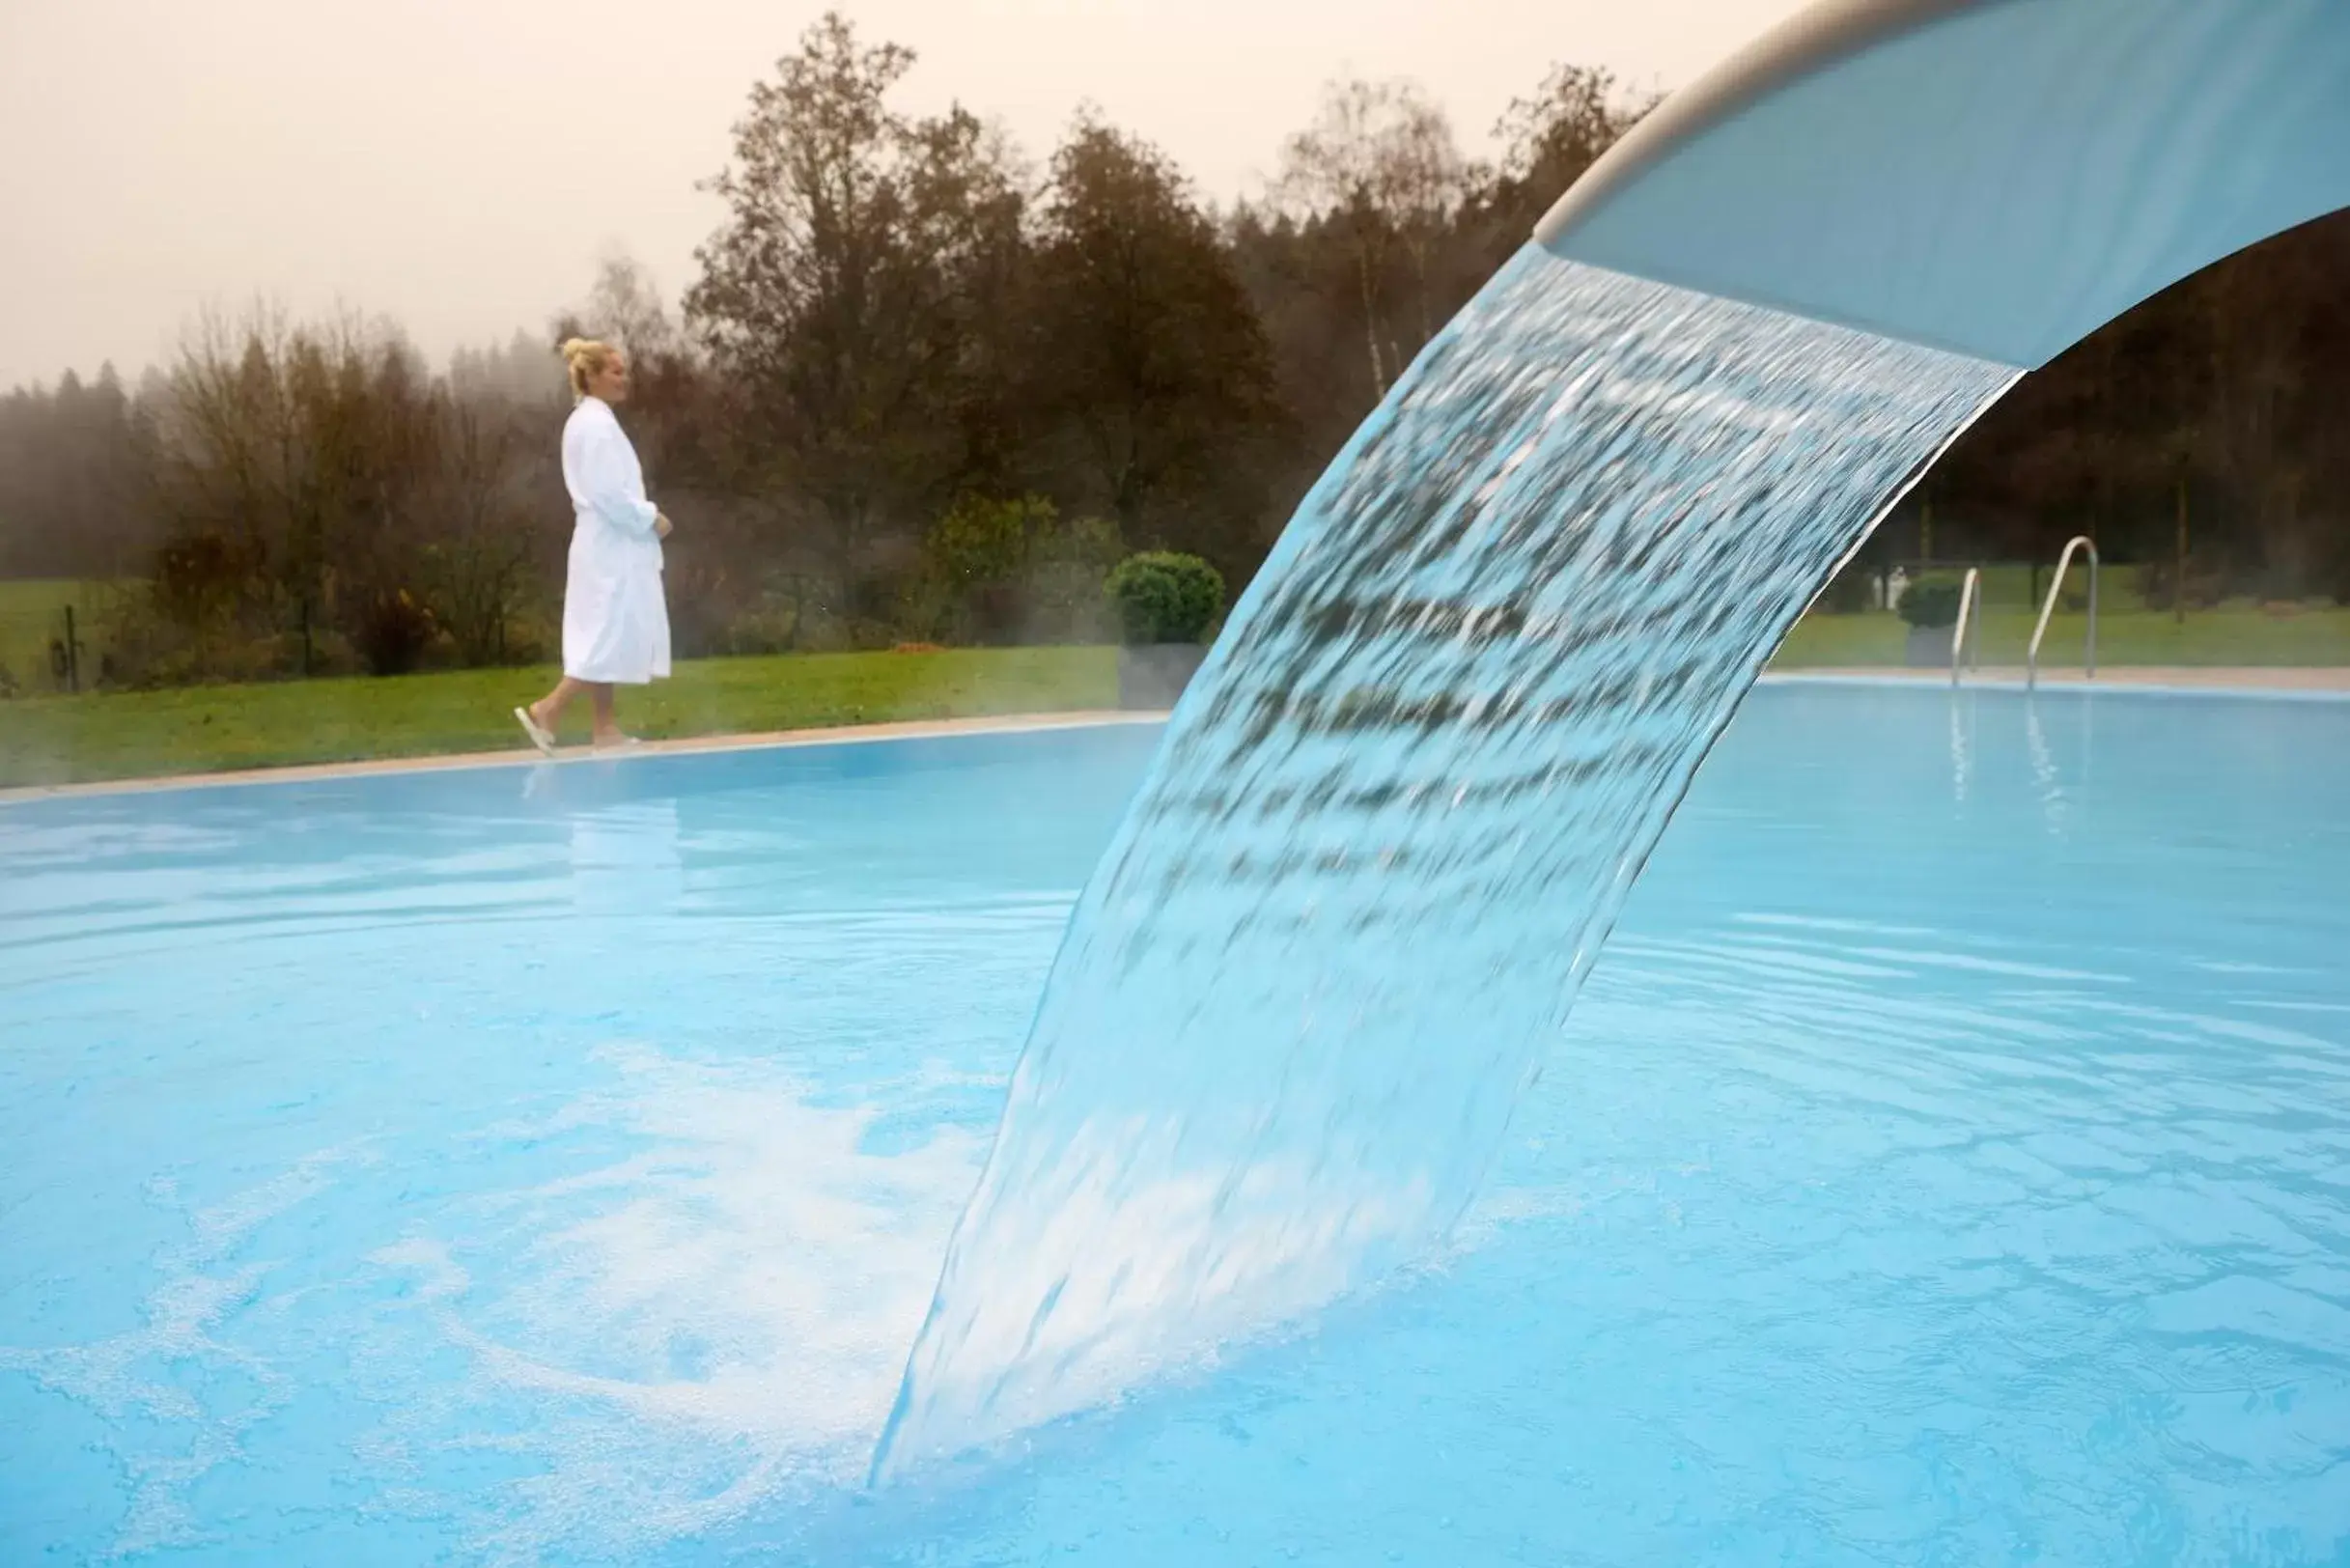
<point>548,710</point>
<point>600,694</point>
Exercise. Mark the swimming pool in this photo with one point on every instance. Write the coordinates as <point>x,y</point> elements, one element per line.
<point>1945,1164</point>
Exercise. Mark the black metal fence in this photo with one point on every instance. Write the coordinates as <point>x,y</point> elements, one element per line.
<point>45,642</point>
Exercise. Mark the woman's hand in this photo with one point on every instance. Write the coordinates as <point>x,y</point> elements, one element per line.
<point>660,526</point>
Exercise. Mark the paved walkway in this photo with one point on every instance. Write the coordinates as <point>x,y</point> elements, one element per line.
<point>2146,676</point>
<point>571,756</point>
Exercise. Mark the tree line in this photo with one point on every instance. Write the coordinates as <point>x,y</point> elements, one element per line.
<point>2200,437</point>
<point>924,390</point>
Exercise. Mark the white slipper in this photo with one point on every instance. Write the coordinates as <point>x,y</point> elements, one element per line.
<point>599,748</point>
<point>530,726</point>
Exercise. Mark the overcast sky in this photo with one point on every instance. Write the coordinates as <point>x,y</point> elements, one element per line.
<point>460,164</point>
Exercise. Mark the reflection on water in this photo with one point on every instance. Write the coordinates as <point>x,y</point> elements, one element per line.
<point>626,858</point>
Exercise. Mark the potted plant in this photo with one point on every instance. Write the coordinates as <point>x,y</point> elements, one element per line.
<point>1166,603</point>
<point>1931,609</point>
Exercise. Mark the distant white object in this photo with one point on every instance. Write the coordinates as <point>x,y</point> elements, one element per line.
<point>1894,587</point>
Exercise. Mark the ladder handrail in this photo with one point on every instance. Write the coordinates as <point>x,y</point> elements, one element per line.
<point>2048,608</point>
<point>1969,604</point>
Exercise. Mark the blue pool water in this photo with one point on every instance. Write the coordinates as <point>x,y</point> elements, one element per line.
<point>1944,1164</point>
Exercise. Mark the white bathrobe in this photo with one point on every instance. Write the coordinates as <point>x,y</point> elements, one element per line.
<point>615,624</point>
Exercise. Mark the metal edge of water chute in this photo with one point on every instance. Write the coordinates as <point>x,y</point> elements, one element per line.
<point>1809,41</point>
<point>1824,34</point>
<point>1992,178</point>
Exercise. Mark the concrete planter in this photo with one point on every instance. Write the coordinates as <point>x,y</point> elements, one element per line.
<point>1151,676</point>
<point>1929,647</point>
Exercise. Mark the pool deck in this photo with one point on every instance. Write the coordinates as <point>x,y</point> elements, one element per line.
<point>2327,681</point>
<point>2241,681</point>
<point>573,756</point>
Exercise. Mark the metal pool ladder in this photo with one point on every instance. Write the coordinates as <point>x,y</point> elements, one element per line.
<point>2032,659</point>
<point>1969,612</point>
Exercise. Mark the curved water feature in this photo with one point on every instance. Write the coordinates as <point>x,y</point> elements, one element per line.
<point>1387,834</point>
<point>1391,824</point>
<point>1998,177</point>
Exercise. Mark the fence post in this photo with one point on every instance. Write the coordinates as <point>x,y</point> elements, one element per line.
<point>73,656</point>
<point>2178,589</point>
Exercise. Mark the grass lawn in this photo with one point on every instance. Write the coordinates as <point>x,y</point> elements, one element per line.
<point>56,739</point>
<point>2231,635</point>
<point>31,613</point>
<point>59,739</point>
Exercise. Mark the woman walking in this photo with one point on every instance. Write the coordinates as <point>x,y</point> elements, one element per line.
<point>615,623</point>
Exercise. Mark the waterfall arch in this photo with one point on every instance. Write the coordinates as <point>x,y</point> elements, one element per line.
<point>1996,177</point>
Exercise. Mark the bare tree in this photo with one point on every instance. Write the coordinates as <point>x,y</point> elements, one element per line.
<point>1380,162</point>
<point>523,369</point>
<point>1425,179</point>
<point>483,520</point>
<point>1330,171</point>
<point>625,306</point>
<point>298,450</point>
<point>1549,139</point>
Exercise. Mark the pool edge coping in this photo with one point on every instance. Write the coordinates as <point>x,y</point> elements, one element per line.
<point>456,762</point>
<point>2279,684</point>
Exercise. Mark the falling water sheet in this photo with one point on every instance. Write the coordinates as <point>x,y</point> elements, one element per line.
<point>1393,820</point>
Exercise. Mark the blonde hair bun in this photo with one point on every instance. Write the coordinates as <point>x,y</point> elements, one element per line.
<point>583,358</point>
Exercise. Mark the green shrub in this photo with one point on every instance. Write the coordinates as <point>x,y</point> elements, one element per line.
<point>983,541</point>
<point>1164,597</point>
<point>1011,572</point>
<point>1930,606</point>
